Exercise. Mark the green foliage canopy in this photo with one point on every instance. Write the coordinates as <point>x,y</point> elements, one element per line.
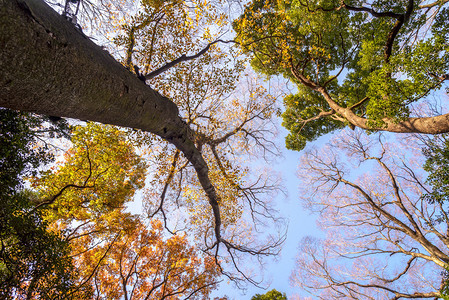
<point>270,295</point>
<point>437,164</point>
<point>357,63</point>
<point>33,261</point>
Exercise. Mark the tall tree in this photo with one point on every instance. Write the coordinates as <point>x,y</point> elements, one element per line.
<point>381,235</point>
<point>63,73</point>
<point>355,63</point>
<point>231,127</point>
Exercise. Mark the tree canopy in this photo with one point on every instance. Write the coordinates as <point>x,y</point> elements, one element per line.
<point>34,262</point>
<point>71,236</point>
<point>270,295</point>
<point>355,63</point>
<point>197,124</point>
<point>437,154</point>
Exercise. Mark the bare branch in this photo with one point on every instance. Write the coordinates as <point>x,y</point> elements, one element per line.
<point>379,228</point>
<point>183,58</point>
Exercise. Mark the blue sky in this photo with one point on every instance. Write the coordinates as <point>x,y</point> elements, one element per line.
<point>300,224</point>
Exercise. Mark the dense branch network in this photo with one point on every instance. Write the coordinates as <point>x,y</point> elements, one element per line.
<point>201,90</point>
<point>379,218</point>
<point>245,131</point>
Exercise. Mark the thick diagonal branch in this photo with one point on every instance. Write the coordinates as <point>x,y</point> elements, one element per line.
<point>50,68</point>
<point>427,125</point>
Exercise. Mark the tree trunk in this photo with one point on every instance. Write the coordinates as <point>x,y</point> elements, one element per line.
<point>49,67</point>
<point>426,125</point>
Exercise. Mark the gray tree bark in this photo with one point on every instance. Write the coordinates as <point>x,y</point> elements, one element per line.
<point>49,67</point>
